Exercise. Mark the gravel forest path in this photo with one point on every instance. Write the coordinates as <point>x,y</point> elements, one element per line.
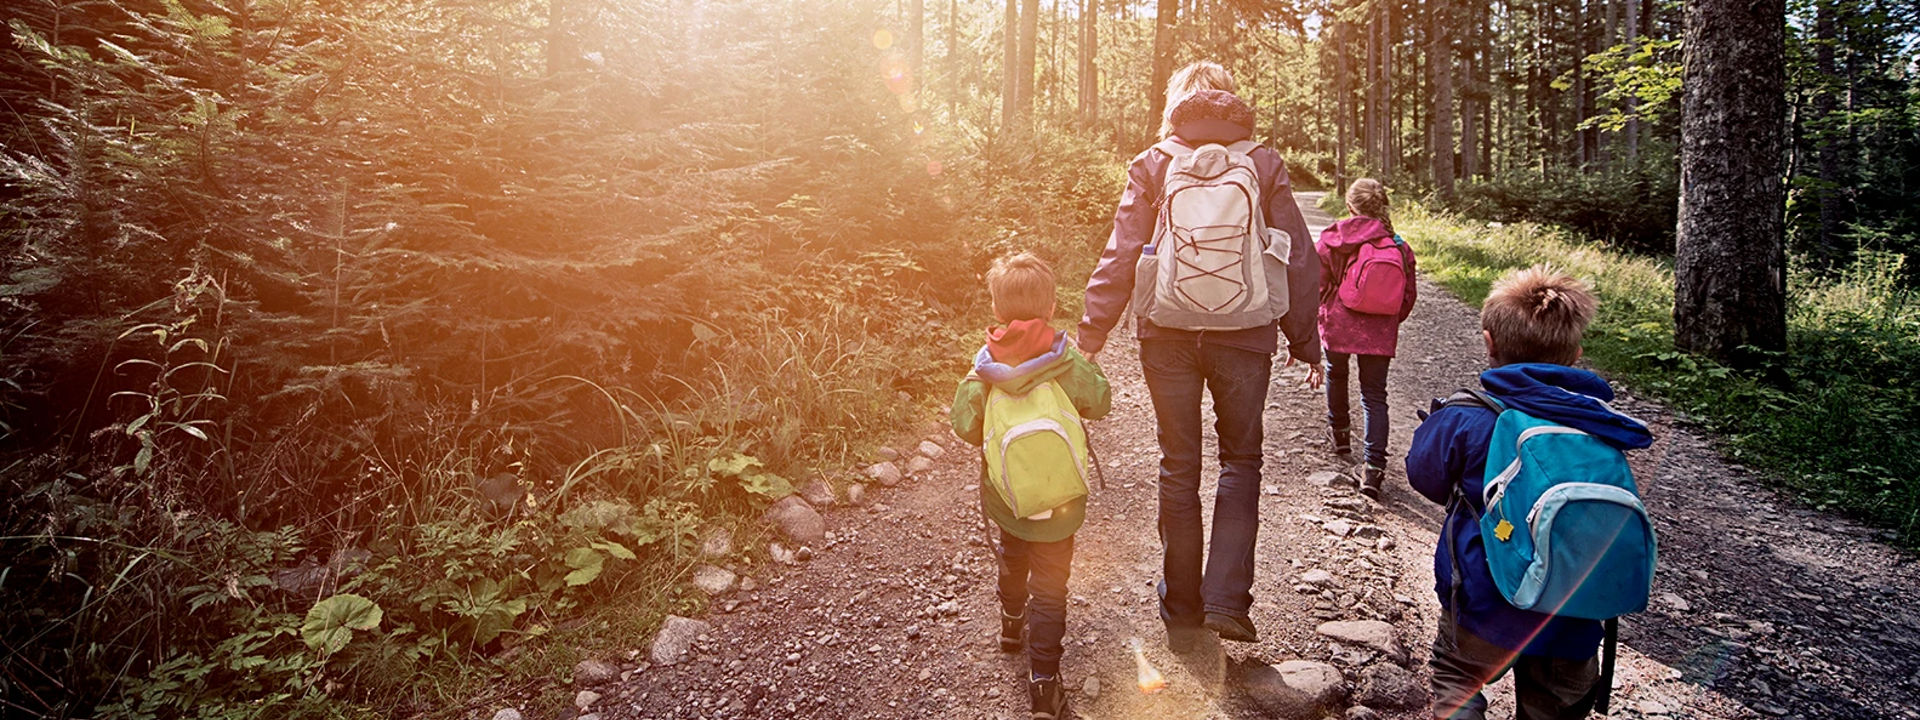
<point>1764,608</point>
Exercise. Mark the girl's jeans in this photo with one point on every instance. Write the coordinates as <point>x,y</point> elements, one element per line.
<point>1373,398</point>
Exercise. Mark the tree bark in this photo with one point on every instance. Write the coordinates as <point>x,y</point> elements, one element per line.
<point>1342,105</point>
<point>1830,144</point>
<point>1010,58</point>
<point>1089,75</point>
<point>1730,258</point>
<point>1163,22</point>
<point>1632,129</point>
<point>1024,65</point>
<point>1440,72</point>
<point>917,42</point>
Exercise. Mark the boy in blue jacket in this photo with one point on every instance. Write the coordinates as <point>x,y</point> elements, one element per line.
<point>1532,322</point>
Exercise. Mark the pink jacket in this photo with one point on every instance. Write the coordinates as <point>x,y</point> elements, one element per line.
<point>1343,330</point>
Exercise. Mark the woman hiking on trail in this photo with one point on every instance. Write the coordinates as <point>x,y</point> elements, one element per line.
<point>1212,291</point>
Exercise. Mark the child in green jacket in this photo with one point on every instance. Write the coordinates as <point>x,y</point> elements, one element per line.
<point>1035,552</point>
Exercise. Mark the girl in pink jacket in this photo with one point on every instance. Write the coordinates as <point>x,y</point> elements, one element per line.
<point>1367,289</point>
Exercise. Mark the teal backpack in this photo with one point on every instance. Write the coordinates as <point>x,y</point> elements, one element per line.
<point>1565,531</point>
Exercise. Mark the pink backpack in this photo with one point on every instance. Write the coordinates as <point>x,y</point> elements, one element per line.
<point>1376,279</point>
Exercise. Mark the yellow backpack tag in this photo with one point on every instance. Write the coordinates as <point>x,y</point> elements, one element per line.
<point>1503,531</point>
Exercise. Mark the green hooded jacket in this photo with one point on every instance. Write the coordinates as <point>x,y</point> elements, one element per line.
<point>1084,384</point>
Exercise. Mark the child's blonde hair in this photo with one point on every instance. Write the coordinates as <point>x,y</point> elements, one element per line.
<point>1537,315</point>
<point>1197,76</point>
<point>1022,287</point>
<point>1368,197</point>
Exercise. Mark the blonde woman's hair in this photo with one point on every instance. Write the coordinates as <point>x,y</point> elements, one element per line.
<point>1022,287</point>
<point>1197,76</point>
<point>1537,315</point>
<point>1368,197</point>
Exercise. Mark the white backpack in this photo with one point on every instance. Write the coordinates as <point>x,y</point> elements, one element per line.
<point>1213,263</point>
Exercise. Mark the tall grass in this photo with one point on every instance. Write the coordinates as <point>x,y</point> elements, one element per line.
<point>1836,418</point>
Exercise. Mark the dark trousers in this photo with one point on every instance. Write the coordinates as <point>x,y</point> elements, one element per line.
<point>1177,373</point>
<point>1373,399</point>
<point>1544,688</point>
<point>1033,581</point>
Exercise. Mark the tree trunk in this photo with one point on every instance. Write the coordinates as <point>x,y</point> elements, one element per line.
<point>1632,129</point>
<point>1386,95</point>
<point>1730,259</point>
<point>1010,59</point>
<point>1089,75</point>
<point>1440,72</point>
<point>561,52</point>
<point>917,41</point>
<point>1024,65</point>
<point>1830,144</point>
<point>1342,106</point>
<point>1163,21</point>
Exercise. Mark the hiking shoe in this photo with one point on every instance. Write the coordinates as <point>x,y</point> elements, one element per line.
<point>1370,485</point>
<point>1230,627</point>
<point>1341,439</point>
<point>1049,698</point>
<point>1013,632</point>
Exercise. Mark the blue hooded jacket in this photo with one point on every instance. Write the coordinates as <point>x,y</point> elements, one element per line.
<point>1450,449</point>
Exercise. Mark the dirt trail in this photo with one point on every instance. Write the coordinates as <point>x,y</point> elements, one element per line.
<point>1765,609</point>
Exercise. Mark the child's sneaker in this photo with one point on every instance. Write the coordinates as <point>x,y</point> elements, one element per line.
<point>1370,485</point>
<point>1049,698</point>
<point>1013,632</point>
<point>1341,439</point>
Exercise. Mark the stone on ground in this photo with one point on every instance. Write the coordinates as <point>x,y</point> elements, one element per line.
<point>595,672</point>
<point>818,493</point>
<point>1317,577</point>
<point>1297,688</point>
<point>507,714</point>
<point>931,449</point>
<point>718,544</point>
<point>1091,688</point>
<point>713,580</point>
<point>1391,687</point>
<point>1374,634</point>
<point>919,465</point>
<point>885,473</point>
<point>798,521</point>
<point>888,454</point>
<point>1327,478</point>
<point>675,636</point>
<point>585,699</point>
<point>856,494</point>
<point>1362,712</point>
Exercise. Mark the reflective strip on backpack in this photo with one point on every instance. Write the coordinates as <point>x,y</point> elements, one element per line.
<point>1036,425</point>
<point>1490,495</point>
<point>1540,523</point>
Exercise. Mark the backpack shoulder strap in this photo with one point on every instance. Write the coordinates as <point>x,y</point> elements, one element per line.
<point>1467,397</point>
<point>1244,147</point>
<point>1173,148</point>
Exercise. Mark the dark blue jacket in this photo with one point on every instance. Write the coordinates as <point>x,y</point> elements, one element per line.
<point>1450,449</point>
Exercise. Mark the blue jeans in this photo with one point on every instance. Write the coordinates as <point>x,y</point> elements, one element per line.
<point>1373,398</point>
<point>1177,372</point>
<point>1033,581</point>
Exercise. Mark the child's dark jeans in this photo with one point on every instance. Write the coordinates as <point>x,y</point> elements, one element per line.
<point>1373,399</point>
<point>1544,688</point>
<point>1033,581</point>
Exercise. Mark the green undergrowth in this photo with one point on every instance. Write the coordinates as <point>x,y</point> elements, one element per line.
<point>1833,418</point>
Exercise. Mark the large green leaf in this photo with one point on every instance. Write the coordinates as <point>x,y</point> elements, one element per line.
<point>586,563</point>
<point>331,622</point>
<point>733,465</point>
